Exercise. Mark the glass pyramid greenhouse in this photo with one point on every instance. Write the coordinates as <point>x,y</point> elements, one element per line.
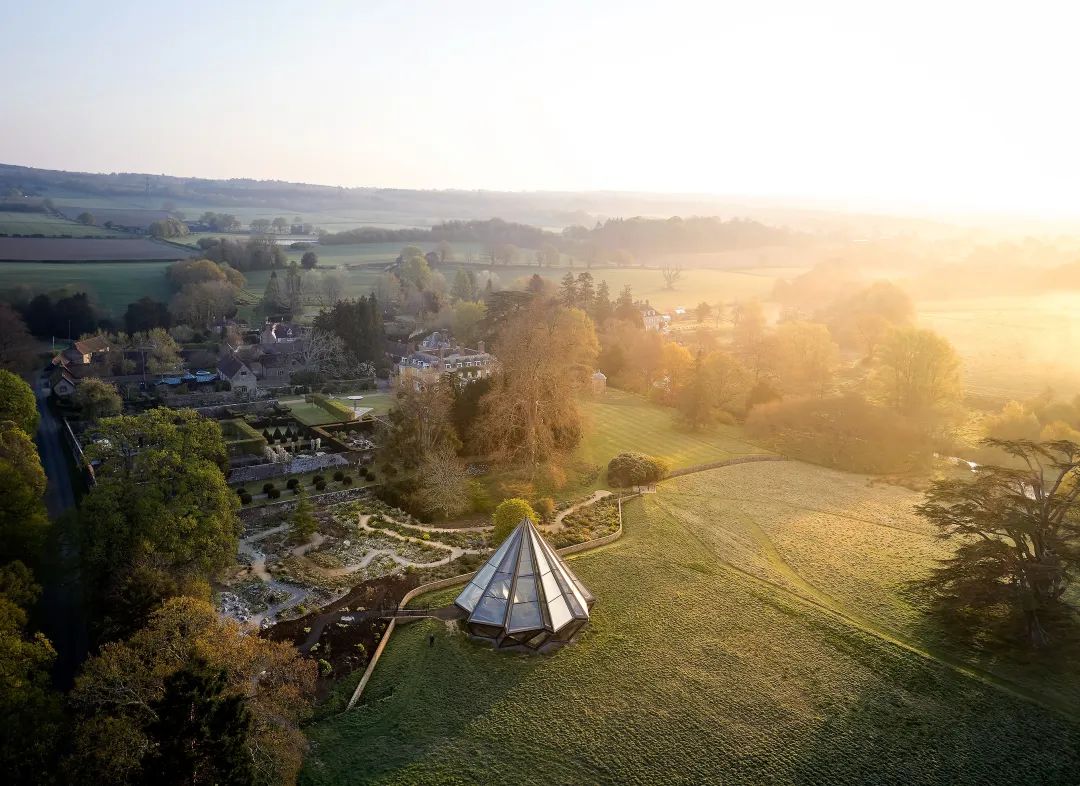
<point>524,594</point>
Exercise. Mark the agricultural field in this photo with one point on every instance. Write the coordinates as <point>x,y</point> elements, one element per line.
<point>621,421</point>
<point>741,635</point>
<point>112,285</point>
<point>19,223</point>
<point>1012,347</point>
<point>128,217</point>
<point>22,249</point>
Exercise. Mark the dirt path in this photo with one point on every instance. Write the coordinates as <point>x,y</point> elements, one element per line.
<point>592,499</point>
<point>294,593</point>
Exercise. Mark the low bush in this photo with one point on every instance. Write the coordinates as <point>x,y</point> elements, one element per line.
<point>273,493</point>
<point>339,476</point>
<point>293,483</point>
<point>268,487</point>
<point>320,485</point>
<point>635,469</point>
<point>245,499</point>
<point>317,479</point>
<point>241,491</point>
<point>347,480</point>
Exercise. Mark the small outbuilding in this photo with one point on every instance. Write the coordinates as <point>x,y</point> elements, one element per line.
<point>525,595</point>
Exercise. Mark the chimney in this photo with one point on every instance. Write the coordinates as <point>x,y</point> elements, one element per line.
<point>442,354</point>
<point>480,346</point>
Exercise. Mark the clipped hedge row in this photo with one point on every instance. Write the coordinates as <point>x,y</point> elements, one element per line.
<point>335,408</point>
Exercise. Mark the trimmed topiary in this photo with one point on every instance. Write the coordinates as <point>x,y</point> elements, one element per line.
<point>347,480</point>
<point>273,493</point>
<point>245,499</point>
<point>339,476</point>
<point>293,483</point>
<point>320,485</point>
<point>267,488</point>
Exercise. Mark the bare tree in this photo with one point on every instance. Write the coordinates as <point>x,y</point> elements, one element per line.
<point>333,287</point>
<point>322,351</point>
<point>672,272</point>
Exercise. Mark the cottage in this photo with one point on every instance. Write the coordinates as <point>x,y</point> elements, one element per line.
<point>237,373</point>
<point>63,384</point>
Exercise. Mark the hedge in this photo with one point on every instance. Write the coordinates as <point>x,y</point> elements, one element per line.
<point>635,469</point>
<point>335,408</point>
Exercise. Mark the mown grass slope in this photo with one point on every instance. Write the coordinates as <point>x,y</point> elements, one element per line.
<point>624,421</point>
<point>718,652</point>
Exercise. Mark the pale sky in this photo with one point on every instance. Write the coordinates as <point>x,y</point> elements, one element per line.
<point>938,104</point>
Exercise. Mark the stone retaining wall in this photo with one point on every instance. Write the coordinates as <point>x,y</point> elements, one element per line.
<point>286,506</point>
<point>724,463</point>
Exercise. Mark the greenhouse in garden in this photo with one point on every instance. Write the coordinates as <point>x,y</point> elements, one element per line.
<point>525,595</point>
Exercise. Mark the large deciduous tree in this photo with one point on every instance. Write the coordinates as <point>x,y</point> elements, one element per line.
<point>160,505</point>
<point>1018,535</point>
<point>98,399</point>
<point>17,402</point>
<point>919,371</point>
<point>129,701</point>
<point>546,353</point>
<point>17,347</point>
<point>23,521</point>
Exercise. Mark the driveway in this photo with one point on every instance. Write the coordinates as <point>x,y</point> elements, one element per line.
<point>63,618</point>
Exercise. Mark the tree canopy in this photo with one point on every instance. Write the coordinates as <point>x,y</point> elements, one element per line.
<point>17,402</point>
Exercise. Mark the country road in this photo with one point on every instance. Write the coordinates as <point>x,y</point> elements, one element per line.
<point>61,606</point>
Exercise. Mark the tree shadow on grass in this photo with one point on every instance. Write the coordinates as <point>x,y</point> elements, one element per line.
<point>916,721</point>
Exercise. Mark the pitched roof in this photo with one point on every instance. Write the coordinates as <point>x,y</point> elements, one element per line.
<point>525,594</point>
<point>88,346</point>
<point>230,366</point>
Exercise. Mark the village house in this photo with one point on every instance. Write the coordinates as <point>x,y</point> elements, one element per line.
<point>85,357</point>
<point>234,371</point>
<point>439,356</point>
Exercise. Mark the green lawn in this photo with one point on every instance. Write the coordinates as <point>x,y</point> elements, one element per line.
<point>112,285</point>
<point>739,637</point>
<point>310,414</point>
<point>624,421</point>
<point>19,223</point>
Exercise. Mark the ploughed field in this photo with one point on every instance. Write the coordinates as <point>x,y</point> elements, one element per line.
<point>752,626</point>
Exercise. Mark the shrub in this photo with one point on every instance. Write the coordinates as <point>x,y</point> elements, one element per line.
<point>370,475</point>
<point>273,493</point>
<point>241,491</point>
<point>545,506</point>
<point>635,469</point>
<point>320,486</point>
<point>325,668</point>
<point>293,483</point>
<point>339,476</point>
<point>267,488</point>
<point>296,491</point>
<point>508,515</point>
<point>245,499</point>
<point>347,480</point>
<point>317,479</point>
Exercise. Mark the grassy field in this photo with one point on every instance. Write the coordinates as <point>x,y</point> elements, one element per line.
<point>112,284</point>
<point>740,636</point>
<point>1012,347</point>
<point>19,223</point>
<point>622,421</point>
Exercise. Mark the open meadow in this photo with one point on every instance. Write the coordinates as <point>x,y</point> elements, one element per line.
<point>112,285</point>
<point>751,626</point>
<point>20,223</point>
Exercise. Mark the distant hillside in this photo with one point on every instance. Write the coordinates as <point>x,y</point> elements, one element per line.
<point>417,208</point>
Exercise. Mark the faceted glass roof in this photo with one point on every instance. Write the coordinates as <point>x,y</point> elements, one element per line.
<point>525,593</point>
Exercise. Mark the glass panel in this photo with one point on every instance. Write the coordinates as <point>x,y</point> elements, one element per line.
<point>499,588</point>
<point>525,563</point>
<point>525,589</point>
<point>551,587</point>
<point>525,616</point>
<point>541,561</point>
<point>492,610</point>
<point>468,597</point>
<point>560,614</point>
